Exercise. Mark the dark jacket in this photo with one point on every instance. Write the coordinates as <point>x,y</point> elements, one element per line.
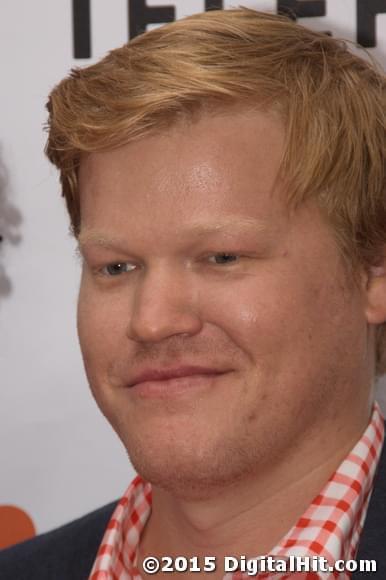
<point>68,553</point>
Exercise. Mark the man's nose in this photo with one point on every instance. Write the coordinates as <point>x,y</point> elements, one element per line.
<point>164,304</point>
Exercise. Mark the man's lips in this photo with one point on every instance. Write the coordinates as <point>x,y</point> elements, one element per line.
<point>156,374</point>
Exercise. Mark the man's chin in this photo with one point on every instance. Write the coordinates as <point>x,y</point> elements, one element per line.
<point>189,476</point>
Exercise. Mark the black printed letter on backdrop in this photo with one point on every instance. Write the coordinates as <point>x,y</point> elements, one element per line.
<point>367,11</point>
<point>140,15</point>
<point>81,26</point>
<point>213,5</point>
<point>301,8</point>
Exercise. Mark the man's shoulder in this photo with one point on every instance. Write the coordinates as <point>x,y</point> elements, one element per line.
<point>65,553</point>
<point>373,538</point>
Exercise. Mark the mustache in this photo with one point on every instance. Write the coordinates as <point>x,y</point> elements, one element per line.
<point>177,350</point>
<point>179,346</point>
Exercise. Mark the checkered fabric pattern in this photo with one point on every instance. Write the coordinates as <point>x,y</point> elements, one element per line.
<point>330,527</point>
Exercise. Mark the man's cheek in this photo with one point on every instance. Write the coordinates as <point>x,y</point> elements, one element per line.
<point>93,324</point>
<point>98,333</point>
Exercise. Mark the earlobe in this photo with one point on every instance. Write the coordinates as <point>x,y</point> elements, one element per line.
<point>376,294</point>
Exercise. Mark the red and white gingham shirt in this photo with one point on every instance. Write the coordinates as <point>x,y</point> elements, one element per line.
<point>330,527</point>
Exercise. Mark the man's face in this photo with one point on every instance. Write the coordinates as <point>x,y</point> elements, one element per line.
<point>194,265</point>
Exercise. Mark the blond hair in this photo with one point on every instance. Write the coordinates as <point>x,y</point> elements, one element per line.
<point>331,101</point>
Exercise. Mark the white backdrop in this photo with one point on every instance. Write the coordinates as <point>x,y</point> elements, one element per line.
<point>51,432</point>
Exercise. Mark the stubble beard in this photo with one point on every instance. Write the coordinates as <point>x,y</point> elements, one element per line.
<point>191,470</point>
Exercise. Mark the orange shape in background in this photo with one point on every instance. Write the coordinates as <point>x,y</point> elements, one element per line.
<point>15,526</point>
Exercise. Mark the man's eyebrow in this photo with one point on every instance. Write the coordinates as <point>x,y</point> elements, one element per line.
<point>199,228</point>
<point>228,224</point>
<point>91,237</point>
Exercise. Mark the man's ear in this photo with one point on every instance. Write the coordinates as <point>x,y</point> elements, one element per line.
<point>376,293</point>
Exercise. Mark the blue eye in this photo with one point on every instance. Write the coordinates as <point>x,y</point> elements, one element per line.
<point>117,268</point>
<point>224,258</point>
